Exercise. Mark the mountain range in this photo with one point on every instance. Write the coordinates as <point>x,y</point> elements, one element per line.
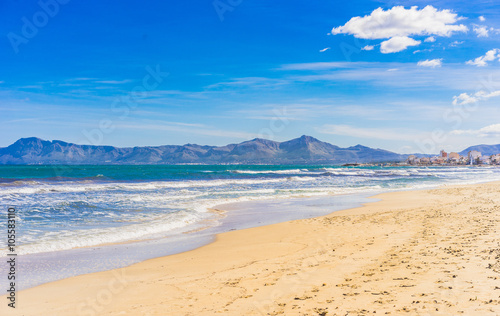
<point>302,150</point>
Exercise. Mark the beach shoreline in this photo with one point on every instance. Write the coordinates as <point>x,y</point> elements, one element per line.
<point>42,268</point>
<point>417,252</point>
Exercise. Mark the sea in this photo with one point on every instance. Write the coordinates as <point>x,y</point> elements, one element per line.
<point>79,219</point>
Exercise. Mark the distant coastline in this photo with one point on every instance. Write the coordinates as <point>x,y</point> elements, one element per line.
<point>304,150</point>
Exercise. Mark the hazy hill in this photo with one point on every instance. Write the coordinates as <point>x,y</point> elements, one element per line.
<point>486,150</point>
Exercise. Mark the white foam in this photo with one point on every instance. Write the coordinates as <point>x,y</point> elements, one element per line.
<point>159,207</point>
<point>68,239</point>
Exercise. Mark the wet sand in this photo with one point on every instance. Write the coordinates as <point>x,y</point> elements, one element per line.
<point>434,252</point>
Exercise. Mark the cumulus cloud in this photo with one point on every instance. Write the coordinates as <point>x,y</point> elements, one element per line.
<point>399,22</point>
<point>368,47</point>
<point>324,49</point>
<point>465,98</point>
<point>480,30</point>
<point>431,63</point>
<point>430,39</point>
<point>487,131</point>
<point>482,61</point>
<point>397,44</point>
<point>482,19</point>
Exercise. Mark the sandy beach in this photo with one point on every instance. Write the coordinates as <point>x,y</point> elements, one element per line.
<point>433,252</point>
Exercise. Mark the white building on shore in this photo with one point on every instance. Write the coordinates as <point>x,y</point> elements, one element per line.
<point>474,156</point>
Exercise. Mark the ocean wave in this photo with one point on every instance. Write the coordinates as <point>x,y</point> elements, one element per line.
<point>289,171</point>
<point>88,212</point>
<point>69,239</point>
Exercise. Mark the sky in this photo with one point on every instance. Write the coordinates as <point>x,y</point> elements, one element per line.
<point>404,76</point>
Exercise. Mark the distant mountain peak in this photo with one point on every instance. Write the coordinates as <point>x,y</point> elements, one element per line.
<point>358,146</point>
<point>30,139</point>
<point>309,139</point>
<point>304,150</point>
<point>260,140</point>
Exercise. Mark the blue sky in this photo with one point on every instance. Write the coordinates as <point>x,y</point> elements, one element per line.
<point>408,77</point>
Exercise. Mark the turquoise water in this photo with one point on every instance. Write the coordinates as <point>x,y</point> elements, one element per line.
<point>63,207</point>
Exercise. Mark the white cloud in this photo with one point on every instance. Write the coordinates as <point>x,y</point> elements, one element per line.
<point>487,131</point>
<point>482,95</point>
<point>360,132</point>
<point>323,65</point>
<point>397,44</point>
<point>430,39</point>
<point>456,43</point>
<point>423,50</point>
<point>254,82</point>
<point>187,129</point>
<point>480,30</point>
<point>432,63</point>
<point>368,47</point>
<point>409,75</point>
<point>114,81</point>
<point>482,19</point>
<point>482,61</point>
<point>324,50</point>
<point>399,22</point>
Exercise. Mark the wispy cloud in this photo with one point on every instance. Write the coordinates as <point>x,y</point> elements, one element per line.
<point>456,43</point>
<point>35,87</point>
<point>83,79</point>
<point>188,130</point>
<point>423,50</point>
<point>261,82</point>
<point>450,75</point>
<point>22,120</point>
<point>487,131</point>
<point>323,65</point>
<point>324,49</point>
<point>431,63</point>
<point>114,81</point>
<point>361,132</point>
